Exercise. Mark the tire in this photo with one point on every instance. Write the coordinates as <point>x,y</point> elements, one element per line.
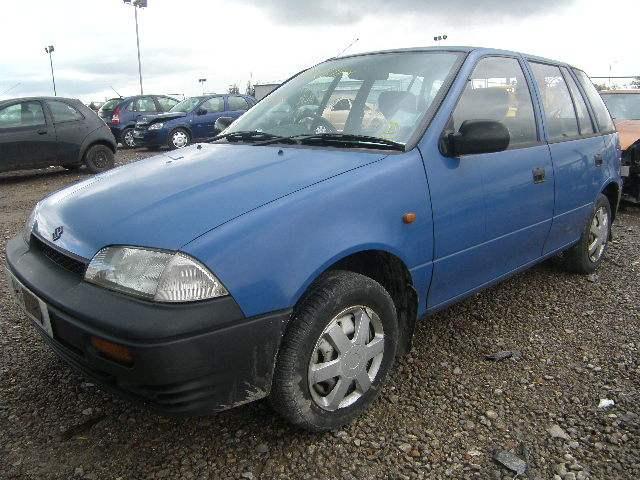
<point>127,139</point>
<point>178,138</point>
<point>99,158</point>
<point>309,342</point>
<point>584,257</point>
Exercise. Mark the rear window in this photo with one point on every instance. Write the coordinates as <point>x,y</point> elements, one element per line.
<point>110,105</point>
<point>603,119</point>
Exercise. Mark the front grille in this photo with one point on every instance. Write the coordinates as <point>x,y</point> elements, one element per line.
<point>63,260</point>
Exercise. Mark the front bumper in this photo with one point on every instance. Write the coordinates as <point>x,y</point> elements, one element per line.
<point>150,138</point>
<point>187,358</point>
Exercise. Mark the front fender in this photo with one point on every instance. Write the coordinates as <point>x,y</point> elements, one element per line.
<point>268,257</point>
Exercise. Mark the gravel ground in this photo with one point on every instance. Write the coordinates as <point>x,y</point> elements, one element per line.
<point>444,413</point>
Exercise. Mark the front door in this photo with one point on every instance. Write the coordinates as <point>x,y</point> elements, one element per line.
<point>71,130</point>
<point>205,116</point>
<point>27,139</point>
<point>491,212</point>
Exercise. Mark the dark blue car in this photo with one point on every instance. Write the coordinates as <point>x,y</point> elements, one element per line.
<point>291,257</point>
<point>121,114</point>
<point>191,120</point>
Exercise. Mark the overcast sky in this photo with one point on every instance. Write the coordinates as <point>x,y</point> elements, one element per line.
<point>228,41</point>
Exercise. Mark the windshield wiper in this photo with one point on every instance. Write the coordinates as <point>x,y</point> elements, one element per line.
<point>349,139</point>
<point>262,138</point>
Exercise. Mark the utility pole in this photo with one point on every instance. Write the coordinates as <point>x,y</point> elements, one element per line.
<point>50,49</point>
<point>137,4</point>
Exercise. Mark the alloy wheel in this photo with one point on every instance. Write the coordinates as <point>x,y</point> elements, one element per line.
<point>598,234</point>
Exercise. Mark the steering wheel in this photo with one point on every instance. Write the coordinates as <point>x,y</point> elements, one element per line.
<point>317,124</point>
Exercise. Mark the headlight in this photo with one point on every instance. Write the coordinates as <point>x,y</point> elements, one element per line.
<point>28,227</point>
<point>153,274</point>
<point>156,126</point>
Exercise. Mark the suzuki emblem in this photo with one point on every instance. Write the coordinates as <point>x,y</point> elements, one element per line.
<point>57,233</point>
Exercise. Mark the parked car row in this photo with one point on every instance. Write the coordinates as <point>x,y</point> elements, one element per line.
<point>292,257</point>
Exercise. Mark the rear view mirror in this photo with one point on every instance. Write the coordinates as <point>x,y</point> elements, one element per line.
<point>477,136</point>
<point>222,123</point>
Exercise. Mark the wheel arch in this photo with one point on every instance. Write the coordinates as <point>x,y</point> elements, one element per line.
<point>390,271</point>
<point>612,191</point>
<point>85,148</point>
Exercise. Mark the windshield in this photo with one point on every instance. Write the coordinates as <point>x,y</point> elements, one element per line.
<point>623,106</point>
<point>186,105</point>
<point>379,95</point>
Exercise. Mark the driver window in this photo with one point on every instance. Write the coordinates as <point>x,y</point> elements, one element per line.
<point>497,91</point>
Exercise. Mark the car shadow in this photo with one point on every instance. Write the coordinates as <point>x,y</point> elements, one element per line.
<point>10,178</point>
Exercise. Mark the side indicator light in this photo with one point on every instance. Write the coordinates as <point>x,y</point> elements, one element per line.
<point>112,351</point>
<point>409,217</point>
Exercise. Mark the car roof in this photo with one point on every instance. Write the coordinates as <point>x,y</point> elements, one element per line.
<point>461,49</point>
<point>615,92</point>
<point>27,99</point>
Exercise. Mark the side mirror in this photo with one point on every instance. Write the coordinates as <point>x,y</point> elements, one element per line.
<point>222,123</point>
<point>202,111</point>
<point>477,136</point>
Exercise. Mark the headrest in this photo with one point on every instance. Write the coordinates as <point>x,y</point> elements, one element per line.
<point>389,102</point>
<point>490,103</point>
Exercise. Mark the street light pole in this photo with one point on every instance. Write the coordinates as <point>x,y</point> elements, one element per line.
<point>137,4</point>
<point>202,81</point>
<point>135,9</point>
<point>50,49</point>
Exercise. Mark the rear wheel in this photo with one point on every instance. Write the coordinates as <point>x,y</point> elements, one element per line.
<point>179,138</point>
<point>127,138</point>
<point>587,254</point>
<point>99,158</point>
<point>336,354</point>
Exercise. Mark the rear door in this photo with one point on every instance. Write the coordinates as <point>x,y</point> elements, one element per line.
<point>491,212</point>
<point>575,148</point>
<point>71,130</point>
<point>205,116</point>
<point>236,106</point>
<point>27,137</point>
<point>142,107</point>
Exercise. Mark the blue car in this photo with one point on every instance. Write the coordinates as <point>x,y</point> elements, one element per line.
<point>121,114</point>
<point>289,260</point>
<point>191,120</point>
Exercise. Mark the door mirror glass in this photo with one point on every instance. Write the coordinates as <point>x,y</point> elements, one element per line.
<point>202,111</point>
<point>477,136</point>
<point>222,123</point>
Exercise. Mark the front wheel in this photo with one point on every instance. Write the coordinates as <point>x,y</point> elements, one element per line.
<point>127,138</point>
<point>337,352</point>
<point>587,254</point>
<point>178,138</point>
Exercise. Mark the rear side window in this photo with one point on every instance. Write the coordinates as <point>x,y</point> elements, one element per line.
<point>560,117</point>
<point>603,119</point>
<point>167,103</point>
<point>584,119</point>
<point>144,104</point>
<point>63,112</point>
<point>110,105</point>
<point>237,103</point>
<point>215,104</point>
<point>498,91</point>
<point>25,114</point>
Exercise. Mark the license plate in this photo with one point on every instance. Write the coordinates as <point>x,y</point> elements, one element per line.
<point>35,308</point>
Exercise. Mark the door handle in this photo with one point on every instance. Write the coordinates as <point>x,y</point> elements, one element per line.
<point>42,132</point>
<point>598,159</point>
<point>538,175</point>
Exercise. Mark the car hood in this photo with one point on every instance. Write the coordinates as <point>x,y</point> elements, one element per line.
<point>629,131</point>
<point>160,117</point>
<point>168,200</point>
